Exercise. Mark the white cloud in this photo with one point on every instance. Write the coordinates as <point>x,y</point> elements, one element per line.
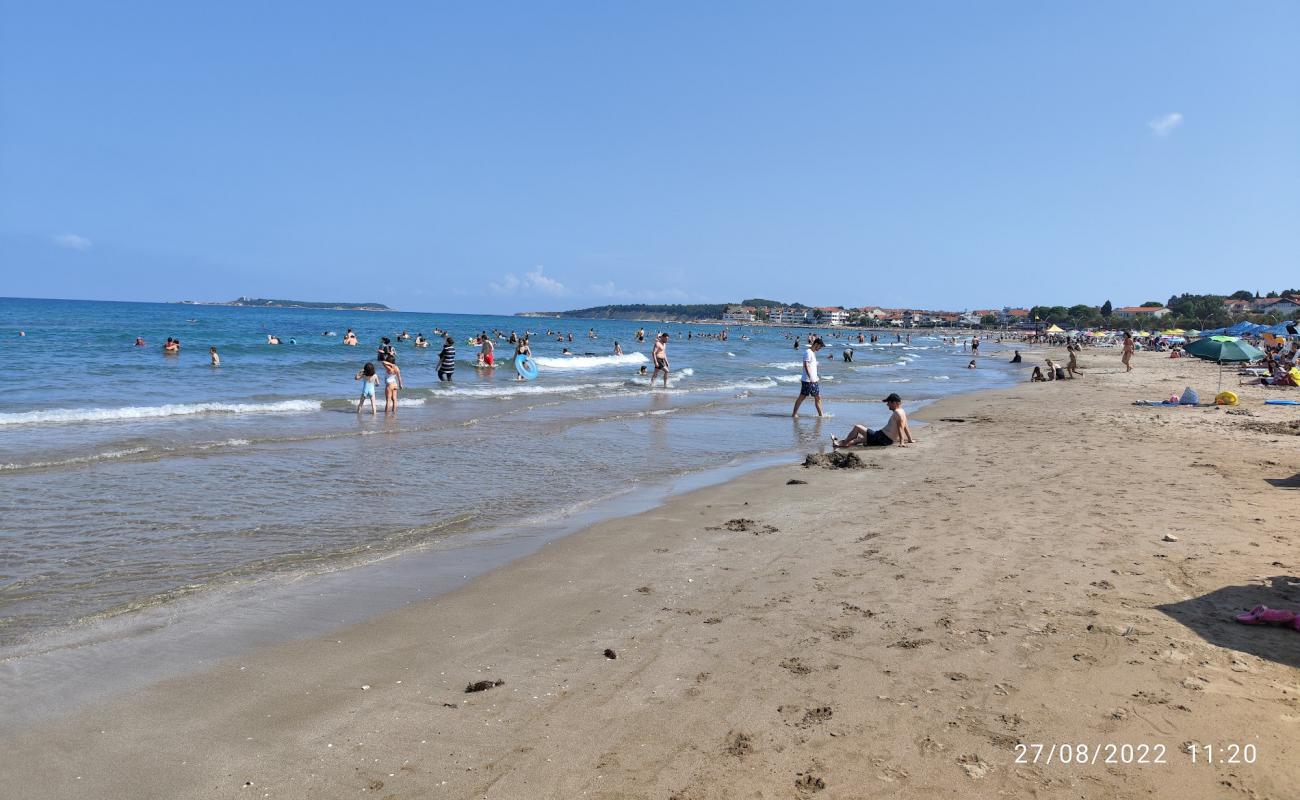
<point>72,241</point>
<point>609,290</point>
<point>1163,126</point>
<point>533,281</point>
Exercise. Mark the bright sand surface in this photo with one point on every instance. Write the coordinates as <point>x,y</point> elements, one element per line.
<point>891,631</point>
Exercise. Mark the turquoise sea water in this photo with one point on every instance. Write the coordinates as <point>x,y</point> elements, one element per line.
<point>130,479</point>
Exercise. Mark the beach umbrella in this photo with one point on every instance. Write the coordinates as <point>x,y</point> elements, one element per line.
<point>1192,332</point>
<point>1223,349</point>
<point>1055,329</point>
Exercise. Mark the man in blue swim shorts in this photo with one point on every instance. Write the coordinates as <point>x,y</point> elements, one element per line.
<point>809,385</point>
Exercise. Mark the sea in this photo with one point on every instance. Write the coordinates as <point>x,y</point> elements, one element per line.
<point>134,483</point>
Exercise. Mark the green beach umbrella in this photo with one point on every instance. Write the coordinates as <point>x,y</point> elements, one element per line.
<point>1221,349</point>
<point>1224,348</point>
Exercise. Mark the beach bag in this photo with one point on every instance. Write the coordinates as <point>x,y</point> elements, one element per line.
<point>1190,397</point>
<point>1225,399</point>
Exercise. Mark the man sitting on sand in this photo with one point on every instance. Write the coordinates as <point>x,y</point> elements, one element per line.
<point>896,431</point>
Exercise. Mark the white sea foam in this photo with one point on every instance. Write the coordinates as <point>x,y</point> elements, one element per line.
<point>73,415</point>
<point>106,456</point>
<point>522,389</point>
<point>798,378</point>
<point>567,363</point>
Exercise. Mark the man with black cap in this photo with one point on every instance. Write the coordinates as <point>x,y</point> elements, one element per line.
<point>895,431</point>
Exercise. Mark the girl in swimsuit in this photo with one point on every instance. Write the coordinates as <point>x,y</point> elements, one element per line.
<point>392,383</point>
<point>368,375</point>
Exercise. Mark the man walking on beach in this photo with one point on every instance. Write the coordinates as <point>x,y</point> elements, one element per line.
<point>895,431</point>
<point>659,355</point>
<point>809,385</point>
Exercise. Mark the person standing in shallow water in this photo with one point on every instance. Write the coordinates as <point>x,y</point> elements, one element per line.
<point>392,382</point>
<point>659,355</point>
<point>810,385</point>
<point>369,381</point>
<point>447,359</point>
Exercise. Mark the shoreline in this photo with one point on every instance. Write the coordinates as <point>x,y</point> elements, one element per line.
<point>769,660</point>
<point>178,636</point>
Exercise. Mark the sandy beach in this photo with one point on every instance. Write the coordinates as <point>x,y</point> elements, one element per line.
<point>915,627</point>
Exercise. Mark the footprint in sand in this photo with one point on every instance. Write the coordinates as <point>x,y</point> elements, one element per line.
<point>975,766</point>
<point>795,666</point>
<point>814,716</point>
<point>739,744</point>
<point>842,633</point>
<point>809,783</point>
<point>911,644</point>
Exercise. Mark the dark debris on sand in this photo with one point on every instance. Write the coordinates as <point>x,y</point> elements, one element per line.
<point>483,686</point>
<point>838,459</point>
<point>1291,428</point>
<point>742,525</point>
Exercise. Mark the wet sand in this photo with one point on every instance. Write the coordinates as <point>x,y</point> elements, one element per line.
<point>905,629</point>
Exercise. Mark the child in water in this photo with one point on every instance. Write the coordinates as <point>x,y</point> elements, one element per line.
<point>371,380</point>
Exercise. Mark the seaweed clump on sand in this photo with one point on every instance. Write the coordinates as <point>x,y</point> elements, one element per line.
<point>483,686</point>
<point>838,459</point>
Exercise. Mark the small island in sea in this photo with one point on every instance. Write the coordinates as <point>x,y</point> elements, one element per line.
<point>261,302</point>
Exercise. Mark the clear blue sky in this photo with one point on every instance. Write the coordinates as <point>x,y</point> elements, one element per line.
<point>485,157</point>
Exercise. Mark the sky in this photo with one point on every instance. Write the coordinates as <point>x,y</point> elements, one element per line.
<point>497,157</point>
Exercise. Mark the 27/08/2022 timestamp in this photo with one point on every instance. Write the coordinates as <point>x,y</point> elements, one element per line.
<point>1143,753</point>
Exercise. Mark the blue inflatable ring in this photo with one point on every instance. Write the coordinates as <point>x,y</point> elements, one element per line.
<point>526,367</point>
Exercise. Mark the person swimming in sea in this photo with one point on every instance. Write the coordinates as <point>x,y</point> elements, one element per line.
<point>213,357</point>
<point>272,339</point>
<point>350,338</point>
<point>172,347</point>
<point>139,341</point>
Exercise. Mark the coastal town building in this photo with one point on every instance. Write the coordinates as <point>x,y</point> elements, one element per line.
<point>738,314</point>
<point>1013,316</point>
<point>833,316</point>
<point>1129,312</point>
<point>1283,306</point>
<point>788,316</point>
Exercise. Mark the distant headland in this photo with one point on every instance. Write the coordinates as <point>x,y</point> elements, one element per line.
<point>261,302</point>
